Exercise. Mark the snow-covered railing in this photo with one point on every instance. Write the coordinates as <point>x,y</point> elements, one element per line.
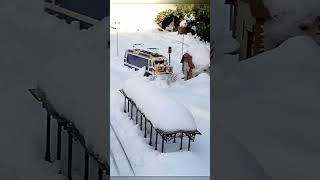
<point>73,135</point>
<point>169,122</point>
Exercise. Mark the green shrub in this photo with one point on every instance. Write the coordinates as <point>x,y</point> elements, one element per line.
<point>201,13</point>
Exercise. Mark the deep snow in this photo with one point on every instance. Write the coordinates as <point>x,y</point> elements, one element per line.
<point>270,104</point>
<point>164,113</point>
<point>30,40</point>
<point>193,94</point>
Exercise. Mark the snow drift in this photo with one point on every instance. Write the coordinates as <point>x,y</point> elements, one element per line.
<point>270,103</point>
<point>288,15</point>
<point>75,83</point>
<point>164,113</point>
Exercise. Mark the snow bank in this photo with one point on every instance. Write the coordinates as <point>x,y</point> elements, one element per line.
<point>76,83</point>
<point>164,113</point>
<point>287,15</point>
<point>270,103</point>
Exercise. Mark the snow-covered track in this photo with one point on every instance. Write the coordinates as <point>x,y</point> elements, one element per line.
<point>128,167</point>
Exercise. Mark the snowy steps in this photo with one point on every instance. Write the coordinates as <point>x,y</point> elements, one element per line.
<point>71,156</point>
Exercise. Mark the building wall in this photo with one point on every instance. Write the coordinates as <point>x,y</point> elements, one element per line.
<point>245,22</point>
<point>97,9</point>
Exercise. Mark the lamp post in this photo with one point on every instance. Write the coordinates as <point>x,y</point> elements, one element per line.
<point>117,27</point>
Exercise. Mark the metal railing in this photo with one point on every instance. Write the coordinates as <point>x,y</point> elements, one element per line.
<point>166,136</point>
<point>74,135</point>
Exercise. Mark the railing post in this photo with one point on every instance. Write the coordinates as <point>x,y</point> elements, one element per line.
<point>162,145</point>
<point>128,105</point>
<point>150,143</point>
<point>47,154</point>
<point>125,104</point>
<point>181,141</point>
<point>59,141</point>
<point>145,127</point>
<point>156,140</point>
<point>131,109</point>
<point>100,174</point>
<point>69,156</point>
<point>86,165</point>
<point>137,115</point>
<point>141,122</point>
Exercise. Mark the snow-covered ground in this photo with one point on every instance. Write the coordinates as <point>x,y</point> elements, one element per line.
<point>266,107</point>
<point>30,40</point>
<point>193,94</point>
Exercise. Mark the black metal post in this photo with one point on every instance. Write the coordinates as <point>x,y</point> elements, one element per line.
<point>141,122</point>
<point>86,166</point>
<point>174,138</point>
<point>100,174</point>
<point>181,141</point>
<point>162,144</point>
<point>156,140</point>
<point>145,127</point>
<point>128,110</point>
<point>70,156</point>
<point>125,103</point>
<point>189,144</point>
<point>59,141</point>
<point>47,154</point>
<point>150,143</point>
<point>131,109</point>
<point>137,115</point>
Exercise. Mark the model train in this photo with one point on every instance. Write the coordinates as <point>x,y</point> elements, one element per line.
<point>154,63</point>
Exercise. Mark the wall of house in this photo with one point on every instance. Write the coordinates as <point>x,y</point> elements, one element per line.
<point>97,9</point>
<point>245,22</point>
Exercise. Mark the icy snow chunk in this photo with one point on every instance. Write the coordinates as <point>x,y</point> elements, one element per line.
<point>164,113</point>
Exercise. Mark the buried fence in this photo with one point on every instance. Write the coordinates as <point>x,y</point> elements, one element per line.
<point>99,167</point>
<point>139,116</point>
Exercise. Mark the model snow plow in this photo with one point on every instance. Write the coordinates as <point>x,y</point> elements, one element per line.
<point>156,64</point>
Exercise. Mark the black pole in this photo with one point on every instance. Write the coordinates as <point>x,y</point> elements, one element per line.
<point>141,121</point>
<point>128,105</point>
<point>125,103</point>
<point>162,145</point>
<point>137,115</point>
<point>145,127</point>
<point>86,166</point>
<point>189,144</point>
<point>174,138</point>
<point>47,154</point>
<point>150,143</point>
<point>131,109</point>
<point>156,140</point>
<point>181,141</point>
<point>69,156</point>
<point>100,174</point>
<point>59,141</point>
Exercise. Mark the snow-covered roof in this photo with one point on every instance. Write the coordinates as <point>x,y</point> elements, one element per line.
<point>273,99</point>
<point>165,113</point>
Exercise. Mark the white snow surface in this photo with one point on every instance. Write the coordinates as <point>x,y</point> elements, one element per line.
<point>193,94</point>
<point>269,103</point>
<point>31,39</point>
<point>75,84</point>
<point>164,113</point>
<point>287,15</point>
